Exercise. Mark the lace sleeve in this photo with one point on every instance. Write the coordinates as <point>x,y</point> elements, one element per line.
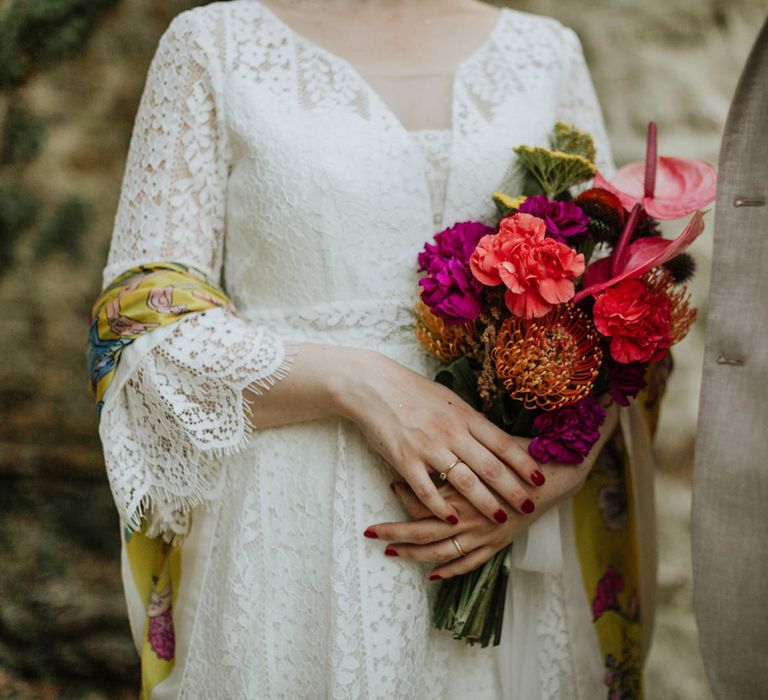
<point>176,404</point>
<point>578,101</point>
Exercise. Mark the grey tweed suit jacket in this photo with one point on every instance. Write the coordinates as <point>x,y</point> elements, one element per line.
<point>730,484</point>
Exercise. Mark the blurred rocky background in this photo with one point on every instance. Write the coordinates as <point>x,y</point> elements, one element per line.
<point>71,73</point>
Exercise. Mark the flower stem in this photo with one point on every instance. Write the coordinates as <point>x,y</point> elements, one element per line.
<point>624,238</point>
<point>650,160</point>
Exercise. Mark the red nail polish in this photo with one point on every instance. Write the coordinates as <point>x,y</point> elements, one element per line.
<point>371,534</point>
<point>500,516</point>
<point>435,577</point>
<point>537,477</point>
<point>390,552</point>
<point>527,506</point>
<point>453,520</point>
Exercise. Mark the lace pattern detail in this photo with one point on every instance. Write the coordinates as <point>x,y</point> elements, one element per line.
<point>180,411</point>
<point>172,202</point>
<point>557,676</point>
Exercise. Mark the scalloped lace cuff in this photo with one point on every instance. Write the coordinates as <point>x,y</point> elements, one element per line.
<point>178,409</point>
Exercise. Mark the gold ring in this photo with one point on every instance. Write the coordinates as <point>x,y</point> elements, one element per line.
<point>444,474</point>
<point>456,544</point>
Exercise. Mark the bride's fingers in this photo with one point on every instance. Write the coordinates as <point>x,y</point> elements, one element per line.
<point>499,476</point>
<point>426,491</point>
<point>463,565</point>
<point>507,448</point>
<point>413,506</point>
<point>421,532</point>
<point>442,551</point>
<point>469,485</point>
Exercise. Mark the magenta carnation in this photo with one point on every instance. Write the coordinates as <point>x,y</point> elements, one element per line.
<point>450,290</point>
<point>625,380</point>
<point>563,219</point>
<point>567,434</point>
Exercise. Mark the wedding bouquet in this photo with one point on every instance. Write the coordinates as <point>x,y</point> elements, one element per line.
<point>532,331</point>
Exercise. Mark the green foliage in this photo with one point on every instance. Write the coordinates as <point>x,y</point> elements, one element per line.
<point>18,210</point>
<point>569,139</point>
<point>22,137</point>
<point>64,229</point>
<point>460,378</point>
<point>35,33</point>
<point>554,171</point>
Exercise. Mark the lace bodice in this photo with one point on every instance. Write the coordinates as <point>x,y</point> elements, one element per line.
<point>272,165</point>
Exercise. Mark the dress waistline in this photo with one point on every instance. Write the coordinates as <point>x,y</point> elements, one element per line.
<point>385,320</point>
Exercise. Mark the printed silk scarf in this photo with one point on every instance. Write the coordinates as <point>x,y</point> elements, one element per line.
<point>150,296</point>
<point>139,301</point>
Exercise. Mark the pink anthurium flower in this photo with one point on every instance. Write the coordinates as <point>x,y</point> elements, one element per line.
<point>668,188</point>
<point>637,258</point>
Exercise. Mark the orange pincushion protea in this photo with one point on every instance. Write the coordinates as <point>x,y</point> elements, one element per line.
<point>444,342</point>
<point>662,281</point>
<point>548,362</point>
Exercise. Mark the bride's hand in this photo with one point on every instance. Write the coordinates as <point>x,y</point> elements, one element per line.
<point>421,427</point>
<point>428,539</point>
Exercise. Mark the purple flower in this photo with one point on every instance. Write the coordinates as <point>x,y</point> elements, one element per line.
<point>625,380</point>
<point>567,434</point>
<point>450,290</point>
<point>563,219</point>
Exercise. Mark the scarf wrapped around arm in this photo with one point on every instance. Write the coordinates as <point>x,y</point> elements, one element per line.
<point>140,301</point>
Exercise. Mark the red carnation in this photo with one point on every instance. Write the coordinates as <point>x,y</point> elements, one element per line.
<point>637,319</point>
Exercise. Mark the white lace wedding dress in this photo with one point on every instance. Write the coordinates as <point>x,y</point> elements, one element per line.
<point>270,163</point>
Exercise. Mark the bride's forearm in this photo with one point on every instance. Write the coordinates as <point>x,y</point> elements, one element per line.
<point>313,388</point>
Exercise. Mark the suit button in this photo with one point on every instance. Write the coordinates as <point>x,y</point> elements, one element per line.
<point>749,202</point>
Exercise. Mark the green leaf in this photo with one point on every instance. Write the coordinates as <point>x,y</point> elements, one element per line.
<point>460,378</point>
<point>586,247</point>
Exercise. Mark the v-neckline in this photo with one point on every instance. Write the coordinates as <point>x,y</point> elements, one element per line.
<point>373,94</point>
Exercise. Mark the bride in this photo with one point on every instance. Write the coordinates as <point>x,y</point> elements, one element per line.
<point>299,154</point>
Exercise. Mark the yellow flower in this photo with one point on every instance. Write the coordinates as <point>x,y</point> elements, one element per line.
<point>442,341</point>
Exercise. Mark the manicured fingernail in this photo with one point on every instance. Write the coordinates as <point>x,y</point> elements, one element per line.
<point>370,533</point>
<point>435,577</point>
<point>537,477</point>
<point>453,520</point>
<point>500,516</point>
<point>390,552</point>
<point>527,506</point>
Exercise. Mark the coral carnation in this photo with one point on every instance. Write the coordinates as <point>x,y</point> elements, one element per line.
<point>537,271</point>
<point>563,219</point>
<point>637,319</point>
<point>449,289</point>
<point>567,434</point>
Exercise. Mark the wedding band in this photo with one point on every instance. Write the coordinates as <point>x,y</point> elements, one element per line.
<point>444,474</point>
<point>456,544</point>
